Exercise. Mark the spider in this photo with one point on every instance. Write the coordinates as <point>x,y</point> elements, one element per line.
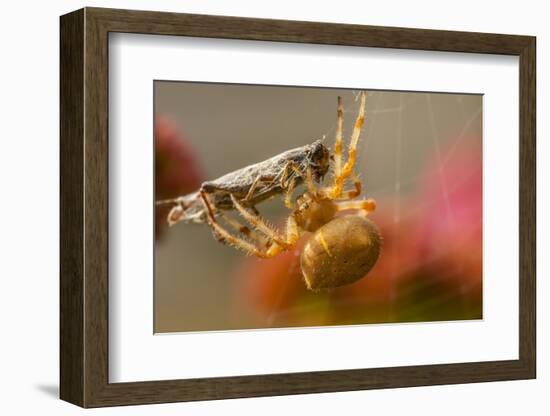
<point>341,249</point>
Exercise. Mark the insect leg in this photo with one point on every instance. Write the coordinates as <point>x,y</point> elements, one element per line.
<point>175,215</point>
<point>170,201</point>
<point>260,224</point>
<point>187,208</point>
<point>291,185</point>
<point>259,180</point>
<point>253,188</point>
<point>290,167</point>
<point>298,175</point>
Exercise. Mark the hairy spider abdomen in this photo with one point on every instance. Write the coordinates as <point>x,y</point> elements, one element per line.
<point>340,252</point>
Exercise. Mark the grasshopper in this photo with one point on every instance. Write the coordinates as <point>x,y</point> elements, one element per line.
<point>252,184</point>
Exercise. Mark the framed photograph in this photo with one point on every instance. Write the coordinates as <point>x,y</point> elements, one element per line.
<point>254,207</point>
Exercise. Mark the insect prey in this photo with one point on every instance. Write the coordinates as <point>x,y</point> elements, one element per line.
<point>252,184</point>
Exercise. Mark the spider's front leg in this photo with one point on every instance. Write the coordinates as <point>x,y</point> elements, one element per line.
<point>222,234</point>
<point>366,206</point>
<point>342,173</point>
<point>270,247</point>
<point>351,193</point>
<point>259,224</point>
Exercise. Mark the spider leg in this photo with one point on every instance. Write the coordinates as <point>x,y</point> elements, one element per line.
<point>225,236</point>
<point>365,205</point>
<point>352,193</point>
<point>243,229</point>
<point>347,170</point>
<point>259,223</point>
<point>288,195</point>
<point>292,236</point>
<point>338,139</point>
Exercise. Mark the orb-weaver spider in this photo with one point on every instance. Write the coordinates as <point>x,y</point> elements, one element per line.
<point>342,249</point>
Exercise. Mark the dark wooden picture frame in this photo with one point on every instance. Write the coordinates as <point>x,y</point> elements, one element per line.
<point>84,207</point>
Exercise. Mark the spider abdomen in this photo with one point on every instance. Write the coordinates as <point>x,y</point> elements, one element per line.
<point>340,252</point>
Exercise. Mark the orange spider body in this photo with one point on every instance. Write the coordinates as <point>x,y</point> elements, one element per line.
<point>340,252</point>
<point>314,211</point>
<point>342,249</point>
